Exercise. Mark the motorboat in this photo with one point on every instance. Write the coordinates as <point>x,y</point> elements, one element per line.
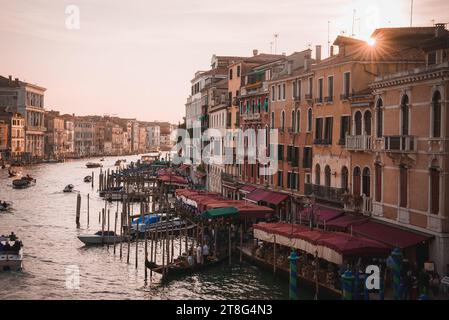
<point>143,224</point>
<point>68,188</point>
<point>23,182</point>
<point>5,206</point>
<point>118,162</point>
<point>101,237</point>
<point>11,254</point>
<point>93,165</point>
<point>88,179</point>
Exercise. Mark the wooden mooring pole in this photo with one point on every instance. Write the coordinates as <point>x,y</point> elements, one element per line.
<point>78,210</point>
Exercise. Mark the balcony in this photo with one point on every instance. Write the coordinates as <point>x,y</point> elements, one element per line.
<point>399,144</point>
<point>324,192</point>
<point>322,142</point>
<point>318,100</point>
<point>358,143</point>
<point>329,99</point>
<point>297,97</point>
<point>364,205</point>
<point>251,116</point>
<point>344,96</point>
<point>309,96</point>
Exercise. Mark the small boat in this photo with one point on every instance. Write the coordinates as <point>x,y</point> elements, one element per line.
<point>112,190</point>
<point>93,165</point>
<point>106,237</point>
<point>118,162</point>
<point>88,179</point>
<point>68,188</point>
<point>11,259</point>
<point>147,221</point>
<point>102,159</point>
<point>5,206</point>
<point>180,267</point>
<point>23,182</point>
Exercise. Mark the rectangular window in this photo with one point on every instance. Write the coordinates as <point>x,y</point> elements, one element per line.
<point>289,153</point>
<point>298,89</point>
<point>432,58</point>
<point>279,92</point>
<point>280,178</point>
<point>293,89</point>
<point>273,93</point>
<point>283,91</point>
<point>238,71</point>
<point>320,90</point>
<point>310,86</point>
<point>330,89</point>
<point>319,128</point>
<point>403,185</point>
<point>378,173</point>
<point>280,152</point>
<point>307,158</point>
<point>230,74</point>
<point>345,122</point>
<point>434,191</point>
<point>346,84</point>
<point>328,130</point>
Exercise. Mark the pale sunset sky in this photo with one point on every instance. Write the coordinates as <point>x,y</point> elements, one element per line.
<point>136,58</point>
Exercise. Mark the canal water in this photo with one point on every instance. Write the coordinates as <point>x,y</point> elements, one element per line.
<point>44,219</point>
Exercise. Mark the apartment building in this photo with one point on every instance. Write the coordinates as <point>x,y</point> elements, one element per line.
<point>410,144</point>
<point>84,136</point>
<point>28,100</point>
<point>55,135</point>
<point>16,132</point>
<point>4,138</point>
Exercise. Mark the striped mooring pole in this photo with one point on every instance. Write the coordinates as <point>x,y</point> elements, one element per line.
<point>293,292</point>
<point>396,256</point>
<point>348,285</point>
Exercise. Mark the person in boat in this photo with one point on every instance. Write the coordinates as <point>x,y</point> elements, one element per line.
<point>12,237</point>
<point>2,247</point>
<point>7,247</point>
<point>190,260</point>
<point>16,246</point>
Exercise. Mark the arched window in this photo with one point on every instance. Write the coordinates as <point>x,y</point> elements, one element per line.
<point>298,120</point>
<point>309,120</point>
<point>327,176</point>
<point>405,114</point>
<point>378,173</point>
<point>283,120</point>
<point>293,120</point>
<point>317,174</point>
<point>367,122</point>
<point>436,115</point>
<point>356,181</point>
<point>344,178</point>
<point>366,182</point>
<point>380,118</point>
<point>358,123</point>
<point>272,120</point>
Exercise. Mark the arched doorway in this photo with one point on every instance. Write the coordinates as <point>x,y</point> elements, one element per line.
<point>356,176</point>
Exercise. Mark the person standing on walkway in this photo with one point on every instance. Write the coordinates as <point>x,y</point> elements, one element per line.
<point>199,255</point>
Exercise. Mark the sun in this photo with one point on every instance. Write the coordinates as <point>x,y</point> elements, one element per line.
<point>371,42</point>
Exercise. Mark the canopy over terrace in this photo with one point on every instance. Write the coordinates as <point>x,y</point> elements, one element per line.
<point>270,197</point>
<point>204,201</point>
<point>321,215</point>
<point>331,246</point>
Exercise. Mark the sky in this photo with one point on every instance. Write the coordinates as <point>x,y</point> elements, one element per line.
<point>136,58</point>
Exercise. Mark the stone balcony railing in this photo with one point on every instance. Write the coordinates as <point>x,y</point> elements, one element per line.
<point>324,192</point>
<point>399,143</point>
<point>358,143</point>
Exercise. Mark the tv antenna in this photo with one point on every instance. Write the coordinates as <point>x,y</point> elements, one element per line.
<point>328,38</point>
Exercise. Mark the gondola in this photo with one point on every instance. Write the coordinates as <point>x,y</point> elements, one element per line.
<point>176,269</point>
<point>68,188</point>
<point>23,182</point>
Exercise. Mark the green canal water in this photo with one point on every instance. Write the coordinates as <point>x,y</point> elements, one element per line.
<point>44,219</point>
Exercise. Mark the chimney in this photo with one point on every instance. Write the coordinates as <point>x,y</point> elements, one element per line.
<point>255,52</point>
<point>10,80</point>
<point>318,53</point>
<point>440,29</point>
<point>16,81</point>
<point>332,51</point>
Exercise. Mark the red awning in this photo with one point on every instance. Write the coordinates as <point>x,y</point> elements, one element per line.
<point>183,167</point>
<point>390,235</point>
<point>257,195</point>
<point>348,245</point>
<point>247,189</point>
<point>275,198</point>
<point>344,222</point>
<point>322,214</point>
<point>172,179</point>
